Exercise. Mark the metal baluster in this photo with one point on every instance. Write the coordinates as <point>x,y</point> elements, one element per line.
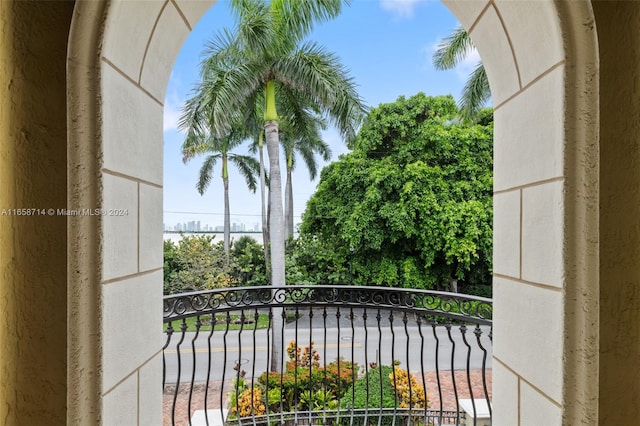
<point>256,317</point>
<point>224,363</point>
<point>198,324</point>
<point>453,375</point>
<point>422,372</point>
<point>463,331</point>
<point>393,367</point>
<point>366,364</point>
<point>268,366</point>
<point>324,322</point>
<point>283,315</point>
<point>296,361</point>
<point>478,333</point>
<point>338,360</point>
<point>169,333</point>
<point>311,359</point>
<point>183,329</point>
<point>353,370</point>
<point>192,305</point>
<point>405,319</point>
<point>238,367</point>
<point>209,356</point>
<point>379,319</point>
<point>437,359</point>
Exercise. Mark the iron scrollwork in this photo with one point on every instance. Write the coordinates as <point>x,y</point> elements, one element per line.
<point>454,306</point>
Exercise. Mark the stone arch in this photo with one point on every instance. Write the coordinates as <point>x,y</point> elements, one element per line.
<point>539,64</point>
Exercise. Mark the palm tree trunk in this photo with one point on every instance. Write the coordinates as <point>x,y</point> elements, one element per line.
<point>276,215</point>
<point>288,205</point>
<point>227,220</point>
<point>265,223</point>
<point>276,225</point>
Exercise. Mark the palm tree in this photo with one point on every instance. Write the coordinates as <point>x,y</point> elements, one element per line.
<point>451,51</point>
<point>266,54</point>
<point>253,126</point>
<point>219,149</point>
<point>306,141</point>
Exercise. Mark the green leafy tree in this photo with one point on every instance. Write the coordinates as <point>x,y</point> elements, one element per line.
<point>263,55</point>
<point>196,263</point>
<point>248,260</point>
<point>452,50</point>
<point>413,200</point>
<point>310,261</point>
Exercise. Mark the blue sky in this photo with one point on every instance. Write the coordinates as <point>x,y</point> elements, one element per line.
<point>386,44</point>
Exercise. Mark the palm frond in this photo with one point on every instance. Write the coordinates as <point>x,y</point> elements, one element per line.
<point>452,49</point>
<point>221,51</point>
<point>194,145</point>
<point>320,77</point>
<point>221,98</point>
<point>476,93</point>
<point>248,167</point>
<point>206,173</point>
<point>294,19</point>
<point>254,26</point>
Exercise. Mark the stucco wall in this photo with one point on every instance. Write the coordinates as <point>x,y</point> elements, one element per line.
<point>33,39</point>
<point>619,42</point>
<point>140,43</point>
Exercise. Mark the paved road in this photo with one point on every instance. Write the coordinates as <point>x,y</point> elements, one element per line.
<point>361,344</point>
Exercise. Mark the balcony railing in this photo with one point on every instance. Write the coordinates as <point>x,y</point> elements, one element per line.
<point>302,355</point>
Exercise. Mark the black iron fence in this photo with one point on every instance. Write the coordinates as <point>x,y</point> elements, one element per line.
<point>303,355</point>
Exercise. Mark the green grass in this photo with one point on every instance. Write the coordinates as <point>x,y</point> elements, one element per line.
<point>221,322</point>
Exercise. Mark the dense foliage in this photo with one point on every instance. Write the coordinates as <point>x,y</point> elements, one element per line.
<point>412,204</point>
<point>197,262</point>
<point>384,387</point>
<point>304,385</point>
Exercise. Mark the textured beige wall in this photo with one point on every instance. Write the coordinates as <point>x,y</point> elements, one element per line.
<point>619,40</point>
<point>33,37</point>
<point>580,239</point>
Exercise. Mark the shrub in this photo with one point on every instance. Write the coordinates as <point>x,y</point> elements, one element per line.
<point>409,391</point>
<point>306,385</point>
<point>383,387</point>
<point>249,404</point>
<point>340,376</point>
<point>299,358</point>
<point>373,390</point>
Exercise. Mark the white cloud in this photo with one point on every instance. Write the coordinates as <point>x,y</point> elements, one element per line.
<point>173,102</point>
<point>171,116</point>
<point>400,9</point>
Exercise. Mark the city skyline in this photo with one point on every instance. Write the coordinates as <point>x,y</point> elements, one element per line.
<point>197,226</point>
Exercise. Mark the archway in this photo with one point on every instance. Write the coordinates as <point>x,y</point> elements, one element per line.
<point>545,215</point>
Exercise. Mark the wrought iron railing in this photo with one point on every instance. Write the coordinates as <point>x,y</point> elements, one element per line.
<point>299,355</point>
